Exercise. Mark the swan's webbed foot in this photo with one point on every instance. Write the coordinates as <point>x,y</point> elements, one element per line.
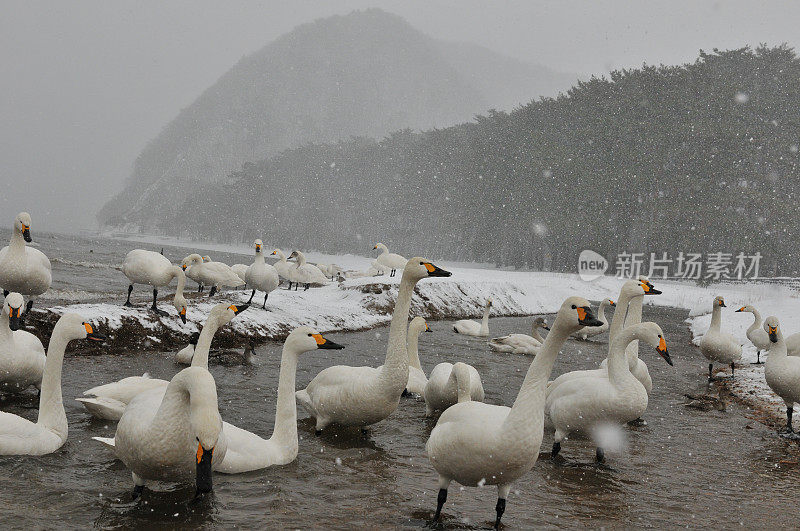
<point>317,432</point>
<point>137,491</point>
<point>440,499</point>
<point>306,288</point>
<point>638,422</point>
<point>500,508</point>
<point>405,393</point>
<point>160,313</point>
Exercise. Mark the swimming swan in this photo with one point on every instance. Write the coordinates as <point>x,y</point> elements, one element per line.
<point>475,443</point>
<point>390,262</point>
<point>756,334</point>
<point>782,371</point>
<point>521,343</point>
<point>154,269</point>
<point>22,355</point>
<point>717,345</point>
<point>261,275</point>
<point>360,396</point>
<point>591,331</point>
<point>247,451</point>
<point>473,328</point>
<point>23,269</point>
<point>19,436</point>
<point>305,273</point>
<point>447,384</point>
<point>108,401</point>
<point>172,434</point>
<point>582,404</point>
<point>214,274</point>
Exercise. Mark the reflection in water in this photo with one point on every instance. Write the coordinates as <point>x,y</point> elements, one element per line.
<point>685,467</point>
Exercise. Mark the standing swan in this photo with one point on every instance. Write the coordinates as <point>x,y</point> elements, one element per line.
<point>475,443</point>
<point>756,334</point>
<point>261,275</point>
<point>19,436</point>
<point>215,274</point>
<point>305,273</point>
<point>151,268</point>
<point>717,345</point>
<point>447,384</point>
<point>23,269</point>
<point>247,451</point>
<point>284,268</point>
<point>473,328</point>
<point>389,261</point>
<point>592,331</point>
<point>582,404</point>
<point>360,396</point>
<point>521,343</point>
<point>782,371</point>
<point>22,355</point>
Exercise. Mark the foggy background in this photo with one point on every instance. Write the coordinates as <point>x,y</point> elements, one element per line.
<point>86,84</point>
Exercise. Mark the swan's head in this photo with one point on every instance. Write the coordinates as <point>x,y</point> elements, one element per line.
<point>258,244</point>
<point>305,339</point>
<point>191,260</point>
<point>539,322</point>
<point>22,224</point>
<point>652,334</point>
<point>206,258</point>
<point>719,301</point>
<point>295,254</point>
<point>181,306</point>
<point>647,286</point>
<point>608,302</point>
<point>418,268</point>
<point>417,326</point>
<point>381,247</point>
<point>488,303</point>
<point>772,328</point>
<point>224,313</point>
<point>204,420</point>
<point>575,313</point>
<point>278,253</point>
<point>13,308</point>
<point>193,339</point>
<point>747,308</point>
<point>73,326</point>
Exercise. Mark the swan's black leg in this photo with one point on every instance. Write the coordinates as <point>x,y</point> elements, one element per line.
<point>128,301</point>
<point>5,293</point>
<point>600,455</point>
<point>154,308</point>
<point>710,375</point>
<point>731,370</point>
<point>213,291</point>
<point>758,358</point>
<point>306,289</point>
<point>264,306</point>
<point>251,297</point>
<point>789,411</point>
<point>295,285</point>
<point>405,393</point>
<point>199,288</point>
<point>500,508</point>
<point>137,491</point>
<point>556,449</point>
<point>440,499</point>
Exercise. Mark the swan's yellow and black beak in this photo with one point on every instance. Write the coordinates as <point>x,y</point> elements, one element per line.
<point>182,314</point>
<point>612,303</point>
<point>428,328</point>
<point>203,480</point>
<point>258,248</point>
<point>740,309</point>
<point>722,303</point>
<point>26,233</point>
<point>545,327</point>
<point>14,318</point>
<point>323,343</point>
<point>183,267</point>
<point>648,288</point>
<point>772,332</point>
<point>434,271</point>
<point>662,350</point>
<point>586,317</point>
<point>237,309</point>
<point>91,334</point>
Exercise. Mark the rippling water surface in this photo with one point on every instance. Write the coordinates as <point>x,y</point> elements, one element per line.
<point>684,468</point>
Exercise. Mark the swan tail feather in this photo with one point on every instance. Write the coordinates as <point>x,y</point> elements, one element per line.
<point>103,408</point>
<point>105,440</point>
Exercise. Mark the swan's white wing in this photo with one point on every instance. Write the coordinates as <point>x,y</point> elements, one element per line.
<point>103,408</point>
<point>247,452</point>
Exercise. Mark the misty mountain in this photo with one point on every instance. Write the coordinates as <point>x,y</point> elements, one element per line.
<point>658,159</point>
<point>364,74</point>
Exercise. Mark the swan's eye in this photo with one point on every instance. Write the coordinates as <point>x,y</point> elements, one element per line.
<point>574,307</point>
<point>421,263</point>
<point>310,335</point>
<point>659,336</point>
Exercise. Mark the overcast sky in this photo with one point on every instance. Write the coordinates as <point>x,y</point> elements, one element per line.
<point>85,84</point>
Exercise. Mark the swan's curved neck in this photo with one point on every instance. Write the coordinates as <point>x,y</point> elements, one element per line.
<point>301,259</point>
<point>526,417</point>
<point>601,311</point>
<point>777,351</point>
<point>413,349</point>
<point>17,242</point>
<point>51,406</point>
<point>716,318</point>
<point>485,320</point>
<point>201,350</point>
<point>187,397</point>
<point>618,321</point>
<point>461,374</point>
<point>394,374</point>
<point>178,272</point>
<point>259,257</point>
<point>535,333</point>
<point>281,256</point>
<point>756,322</point>
<point>285,431</point>
<point>618,362</point>
<point>633,317</point>
<point>5,330</point>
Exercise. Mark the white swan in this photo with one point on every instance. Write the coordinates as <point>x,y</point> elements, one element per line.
<point>241,271</point>
<point>756,334</point>
<point>305,273</point>
<point>19,436</point>
<point>582,404</point>
<point>782,371</point>
<point>261,275</point>
<point>184,356</point>
<point>521,343</point>
<point>108,401</point>
<point>22,355</point>
<point>591,331</point>
<point>214,274</point>
<point>717,345</point>
<point>153,269</point>
<point>285,269</point>
<point>473,328</point>
<point>475,443</point>
<point>172,434</point>
<point>416,376</point>
<point>447,383</point>
<point>630,298</point>
<point>247,451</point>
<point>389,261</point>
<point>360,396</point>
<point>329,270</point>
<point>23,269</point>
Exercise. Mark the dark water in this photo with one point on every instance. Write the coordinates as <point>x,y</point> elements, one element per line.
<point>685,468</point>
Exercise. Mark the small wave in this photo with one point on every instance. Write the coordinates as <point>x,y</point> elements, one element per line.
<point>83,263</point>
<point>75,295</point>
